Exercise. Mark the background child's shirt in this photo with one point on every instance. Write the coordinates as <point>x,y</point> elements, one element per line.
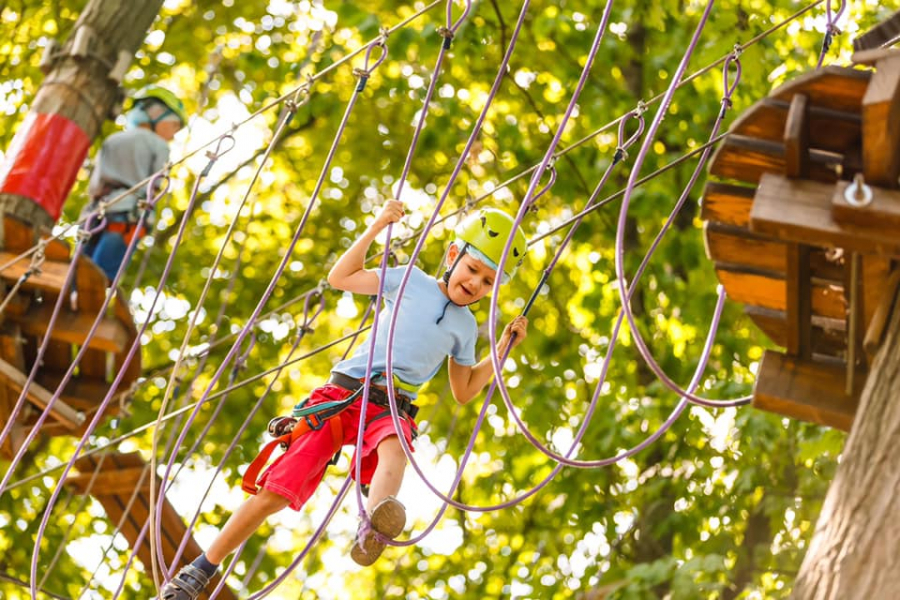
<point>125,159</point>
<point>421,344</point>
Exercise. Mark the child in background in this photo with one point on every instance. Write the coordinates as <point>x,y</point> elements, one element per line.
<point>433,322</point>
<point>125,159</point>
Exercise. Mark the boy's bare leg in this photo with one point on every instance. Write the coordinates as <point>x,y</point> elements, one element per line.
<point>389,473</point>
<point>244,522</point>
<point>387,514</point>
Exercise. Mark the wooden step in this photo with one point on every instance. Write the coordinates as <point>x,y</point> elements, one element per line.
<point>800,210</point>
<point>114,487</point>
<point>806,390</point>
<point>111,334</point>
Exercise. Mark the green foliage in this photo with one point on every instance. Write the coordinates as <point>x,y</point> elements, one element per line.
<point>721,506</point>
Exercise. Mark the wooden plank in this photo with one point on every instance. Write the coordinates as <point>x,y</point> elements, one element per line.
<point>881,315</point>
<point>93,364</point>
<point>11,352</point>
<point>82,393</point>
<point>727,204</point>
<point>92,285</point>
<point>112,481</point>
<point>796,138</point>
<point>71,327</point>
<point>881,124</point>
<point>827,335</point>
<point>805,390</point>
<point>51,278</point>
<point>799,210</point>
<point>799,301</point>
<point>881,215</point>
<point>40,396</point>
<point>734,246</point>
<point>767,291</point>
<point>130,466</point>
<point>830,130</point>
<point>836,88</point>
<point>747,159</point>
<point>883,34</point>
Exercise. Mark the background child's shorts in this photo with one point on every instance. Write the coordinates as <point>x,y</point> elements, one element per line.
<point>296,473</point>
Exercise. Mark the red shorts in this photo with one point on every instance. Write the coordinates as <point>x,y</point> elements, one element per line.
<point>296,473</point>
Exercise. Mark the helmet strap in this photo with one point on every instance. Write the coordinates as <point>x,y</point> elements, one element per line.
<point>449,272</point>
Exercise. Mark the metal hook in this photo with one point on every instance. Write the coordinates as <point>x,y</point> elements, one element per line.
<point>858,194</point>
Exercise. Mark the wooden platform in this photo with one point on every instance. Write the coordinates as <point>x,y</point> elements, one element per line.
<point>784,240</point>
<point>25,323</point>
<point>122,486</point>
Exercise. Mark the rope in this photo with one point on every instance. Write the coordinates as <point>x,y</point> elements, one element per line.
<point>289,250</point>
<point>37,261</point>
<point>450,29</point>
<point>170,386</point>
<point>124,364</point>
<point>624,293</point>
<point>831,29</point>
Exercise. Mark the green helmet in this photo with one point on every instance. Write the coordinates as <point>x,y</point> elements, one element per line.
<point>487,231</point>
<point>164,95</point>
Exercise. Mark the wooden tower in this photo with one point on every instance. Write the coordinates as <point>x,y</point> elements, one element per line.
<point>24,324</point>
<point>802,221</point>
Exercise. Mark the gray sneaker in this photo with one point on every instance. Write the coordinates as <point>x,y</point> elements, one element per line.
<point>388,519</point>
<point>187,584</point>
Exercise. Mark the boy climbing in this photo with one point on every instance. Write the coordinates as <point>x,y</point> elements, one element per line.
<point>433,322</point>
<point>126,159</point>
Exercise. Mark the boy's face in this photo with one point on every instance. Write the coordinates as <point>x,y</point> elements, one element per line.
<point>167,128</point>
<point>470,281</point>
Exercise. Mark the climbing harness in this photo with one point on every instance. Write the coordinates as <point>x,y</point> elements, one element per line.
<point>304,419</point>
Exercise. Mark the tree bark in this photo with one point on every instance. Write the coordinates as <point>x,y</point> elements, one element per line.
<point>76,97</point>
<point>854,551</point>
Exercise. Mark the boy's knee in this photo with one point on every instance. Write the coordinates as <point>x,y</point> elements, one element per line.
<point>391,449</point>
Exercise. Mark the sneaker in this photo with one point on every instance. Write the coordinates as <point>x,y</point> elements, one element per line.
<point>187,584</point>
<point>388,519</point>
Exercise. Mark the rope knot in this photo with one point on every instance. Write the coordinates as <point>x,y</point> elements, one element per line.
<point>641,108</point>
<point>447,34</point>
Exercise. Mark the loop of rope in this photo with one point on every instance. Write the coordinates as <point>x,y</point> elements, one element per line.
<point>831,29</point>
<point>621,152</point>
<point>364,72</point>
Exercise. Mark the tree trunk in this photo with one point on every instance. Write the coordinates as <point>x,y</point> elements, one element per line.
<point>854,551</point>
<point>69,110</point>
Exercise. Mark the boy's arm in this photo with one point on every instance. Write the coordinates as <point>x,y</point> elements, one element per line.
<point>466,382</point>
<point>349,272</point>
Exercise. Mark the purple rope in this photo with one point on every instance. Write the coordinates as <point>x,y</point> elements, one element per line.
<point>364,74</point>
<point>305,327</point>
<point>85,232</point>
<point>447,32</point>
<point>831,29</point>
<point>498,80</point>
<point>527,201</point>
<point>499,383</point>
<point>112,389</point>
<point>620,233</point>
<point>155,530</point>
<point>47,338</point>
<point>20,402</point>
<point>312,541</point>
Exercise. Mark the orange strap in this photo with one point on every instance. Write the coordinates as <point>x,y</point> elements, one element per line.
<point>127,230</point>
<point>302,427</point>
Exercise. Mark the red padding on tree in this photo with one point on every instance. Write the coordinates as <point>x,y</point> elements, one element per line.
<point>43,160</point>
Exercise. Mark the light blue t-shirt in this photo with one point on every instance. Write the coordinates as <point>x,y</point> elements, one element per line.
<point>421,344</point>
